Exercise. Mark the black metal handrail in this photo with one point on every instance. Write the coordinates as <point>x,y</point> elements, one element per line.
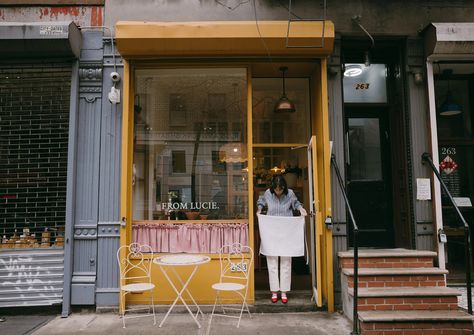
<point>467,231</point>
<point>355,233</point>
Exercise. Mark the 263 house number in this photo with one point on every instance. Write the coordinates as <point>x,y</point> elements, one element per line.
<point>238,267</point>
<point>448,151</point>
<point>362,86</point>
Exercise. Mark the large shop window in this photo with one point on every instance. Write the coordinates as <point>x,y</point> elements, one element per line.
<point>455,123</point>
<point>190,191</point>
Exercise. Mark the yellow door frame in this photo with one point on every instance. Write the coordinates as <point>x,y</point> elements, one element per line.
<point>321,131</point>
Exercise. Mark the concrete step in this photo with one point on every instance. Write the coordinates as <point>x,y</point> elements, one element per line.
<point>387,258</point>
<point>397,252</point>
<point>395,271</point>
<point>406,292</point>
<point>407,298</point>
<point>396,277</point>
<point>415,322</point>
<point>298,301</point>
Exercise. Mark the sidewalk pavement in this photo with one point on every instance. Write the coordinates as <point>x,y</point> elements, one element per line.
<point>23,324</point>
<point>314,323</point>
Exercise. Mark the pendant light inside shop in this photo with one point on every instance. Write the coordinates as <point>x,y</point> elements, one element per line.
<point>449,107</point>
<point>284,105</point>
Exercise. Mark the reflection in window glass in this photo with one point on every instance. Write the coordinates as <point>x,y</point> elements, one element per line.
<point>178,158</point>
<point>274,161</point>
<point>364,149</point>
<point>190,151</point>
<point>271,127</point>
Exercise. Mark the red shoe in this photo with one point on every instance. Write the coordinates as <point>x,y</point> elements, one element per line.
<point>274,297</point>
<point>284,298</point>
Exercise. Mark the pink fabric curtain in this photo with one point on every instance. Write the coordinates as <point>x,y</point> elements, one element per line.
<point>191,238</point>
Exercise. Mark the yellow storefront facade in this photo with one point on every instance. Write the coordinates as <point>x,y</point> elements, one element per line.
<point>201,139</point>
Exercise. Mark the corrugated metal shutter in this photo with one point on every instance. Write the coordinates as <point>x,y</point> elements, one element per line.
<point>34,120</point>
<point>31,277</point>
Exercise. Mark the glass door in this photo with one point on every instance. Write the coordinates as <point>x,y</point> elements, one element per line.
<point>368,175</point>
<point>368,152</point>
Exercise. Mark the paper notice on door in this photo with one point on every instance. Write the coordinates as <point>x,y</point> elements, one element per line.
<point>423,189</point>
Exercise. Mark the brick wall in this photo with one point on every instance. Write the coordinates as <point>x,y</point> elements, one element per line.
<point>34,115</point>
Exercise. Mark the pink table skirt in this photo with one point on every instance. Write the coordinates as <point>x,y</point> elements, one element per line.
<point>192,238</point>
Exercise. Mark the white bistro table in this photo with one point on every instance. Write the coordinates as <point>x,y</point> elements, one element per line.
<point>172,262</point>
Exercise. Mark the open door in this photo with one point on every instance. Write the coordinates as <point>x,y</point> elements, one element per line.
<point>315,222</point>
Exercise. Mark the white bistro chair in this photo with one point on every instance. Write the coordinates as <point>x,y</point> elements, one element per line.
<point>236,263</point>
<point>135,277</point>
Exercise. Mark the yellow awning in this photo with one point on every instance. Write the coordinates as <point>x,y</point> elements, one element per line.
<point>224,38</point>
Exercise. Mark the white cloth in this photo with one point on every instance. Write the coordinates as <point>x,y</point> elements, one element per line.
<point>281,235</point>
<point>283,282</point>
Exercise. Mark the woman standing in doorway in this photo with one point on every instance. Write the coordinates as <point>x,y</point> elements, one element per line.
<point>279,201</point>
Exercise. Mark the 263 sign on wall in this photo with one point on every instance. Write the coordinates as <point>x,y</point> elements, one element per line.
<point>447,164</point>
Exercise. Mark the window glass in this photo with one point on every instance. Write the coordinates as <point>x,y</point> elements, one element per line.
<point>455,123</point>
<point>190,151</point>
<point>365,84</point>
<point>364,149</point>
<point>179,161</point>
<point>450,94</point>
<point>454,119</point>
<point>272,127</point>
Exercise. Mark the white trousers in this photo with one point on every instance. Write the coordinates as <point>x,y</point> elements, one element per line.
<point>283,283</point>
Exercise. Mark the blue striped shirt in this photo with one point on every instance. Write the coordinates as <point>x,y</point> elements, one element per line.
<point>282,206</point>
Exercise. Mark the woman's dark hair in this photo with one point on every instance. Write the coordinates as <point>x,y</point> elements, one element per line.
<point>279,181</point>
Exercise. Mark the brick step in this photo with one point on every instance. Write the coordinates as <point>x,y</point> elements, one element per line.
<point>407,298</point>
<point>415,323</point>
<point>387,258</point>
<point>396,277</point>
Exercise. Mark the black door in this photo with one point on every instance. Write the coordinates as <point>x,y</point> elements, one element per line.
<point>368,174</point>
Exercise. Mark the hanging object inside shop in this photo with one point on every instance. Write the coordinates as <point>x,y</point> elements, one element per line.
<point>449,107</point>
<point>284,105</point>
<point>233,152</point>
<point>137,106</point>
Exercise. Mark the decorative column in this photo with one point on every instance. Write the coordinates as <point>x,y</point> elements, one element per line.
<point>87,184</point>
<point>109,184</point>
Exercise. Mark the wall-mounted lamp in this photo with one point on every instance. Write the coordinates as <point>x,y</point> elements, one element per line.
<point>417,75</point>
<point>352,70</point>
<point>366,58</point>
<point>356,19</point>
<point>333,70</point>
